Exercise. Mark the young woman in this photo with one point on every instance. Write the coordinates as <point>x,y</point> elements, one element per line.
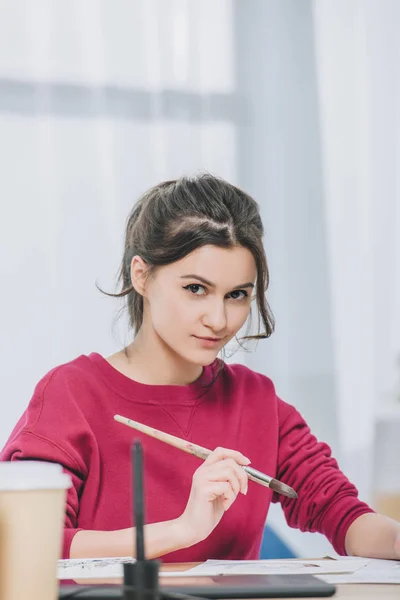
<point>193,266</point>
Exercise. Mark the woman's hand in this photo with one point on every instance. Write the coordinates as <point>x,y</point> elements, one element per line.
<point>215,486</point>
<point>374,536</point>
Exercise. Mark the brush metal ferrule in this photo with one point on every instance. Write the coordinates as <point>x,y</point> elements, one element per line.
<point>255,475</point>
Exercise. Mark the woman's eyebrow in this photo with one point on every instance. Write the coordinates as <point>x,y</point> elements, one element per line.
<point>249,284</point>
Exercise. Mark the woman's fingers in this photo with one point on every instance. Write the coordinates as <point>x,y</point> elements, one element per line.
<point>229,470</point>
<point>223,453</point>
<point>223,490</point>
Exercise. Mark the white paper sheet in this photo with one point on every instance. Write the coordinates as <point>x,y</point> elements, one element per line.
<point>336,571</point>
<point>277,567</point>
<point>98,568</point>
<point>376,571</point>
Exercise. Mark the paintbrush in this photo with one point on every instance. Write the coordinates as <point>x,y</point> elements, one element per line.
<point>200,452</point>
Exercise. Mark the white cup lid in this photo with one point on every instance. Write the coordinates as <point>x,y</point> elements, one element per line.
<point>32,475</point>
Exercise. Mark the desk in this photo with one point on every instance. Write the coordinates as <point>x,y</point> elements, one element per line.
<point>344,592</point>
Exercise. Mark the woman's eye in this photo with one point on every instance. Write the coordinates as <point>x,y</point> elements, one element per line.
<point>196,289</point>
<point>238,294</point>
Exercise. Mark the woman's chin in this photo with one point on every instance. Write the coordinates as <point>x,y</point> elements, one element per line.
<point>204,359</point>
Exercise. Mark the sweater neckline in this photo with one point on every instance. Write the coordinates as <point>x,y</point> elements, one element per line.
<point>168,394</point>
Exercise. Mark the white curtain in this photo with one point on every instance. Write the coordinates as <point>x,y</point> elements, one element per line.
<point>98,101</point>
<point>357,65</point>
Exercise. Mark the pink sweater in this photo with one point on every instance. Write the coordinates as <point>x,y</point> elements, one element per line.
<point>70,420</point>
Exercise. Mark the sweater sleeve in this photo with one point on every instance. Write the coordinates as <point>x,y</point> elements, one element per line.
<point>327,502</point>
<point>52,430</point>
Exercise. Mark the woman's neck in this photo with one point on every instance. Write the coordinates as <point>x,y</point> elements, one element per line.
<point>150,361</point>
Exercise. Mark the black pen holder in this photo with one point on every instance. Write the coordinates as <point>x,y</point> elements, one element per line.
<point>141,580</point>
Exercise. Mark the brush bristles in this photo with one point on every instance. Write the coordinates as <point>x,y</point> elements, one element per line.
<point>282,488</point>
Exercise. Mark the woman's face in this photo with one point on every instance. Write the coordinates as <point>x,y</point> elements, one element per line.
<point>196,305</point>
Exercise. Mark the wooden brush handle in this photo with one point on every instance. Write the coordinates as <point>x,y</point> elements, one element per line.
<point>172,440</point>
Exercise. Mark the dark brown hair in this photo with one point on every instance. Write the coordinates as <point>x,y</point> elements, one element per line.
<point>175,217</point>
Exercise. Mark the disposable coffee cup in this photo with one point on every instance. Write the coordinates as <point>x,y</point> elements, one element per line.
<point>32,510</point>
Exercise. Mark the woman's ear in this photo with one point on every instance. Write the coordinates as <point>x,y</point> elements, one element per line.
<point>139,270</point>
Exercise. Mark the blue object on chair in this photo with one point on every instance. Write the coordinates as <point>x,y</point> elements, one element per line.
<point>273,547</point>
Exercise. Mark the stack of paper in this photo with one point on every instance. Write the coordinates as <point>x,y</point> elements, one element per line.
<point>92,568</point>
<point>98,568</point>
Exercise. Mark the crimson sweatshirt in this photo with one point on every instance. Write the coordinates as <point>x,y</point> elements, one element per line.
<point>69,420</point>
